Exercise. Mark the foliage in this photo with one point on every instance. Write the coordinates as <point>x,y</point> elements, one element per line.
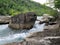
<point>57,4</point>
<point>13,7</point>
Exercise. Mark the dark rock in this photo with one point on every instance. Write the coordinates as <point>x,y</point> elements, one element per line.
<point>55,41</point>
<point>50,23</point>
<point>41,22</point>
<point>23,21</point>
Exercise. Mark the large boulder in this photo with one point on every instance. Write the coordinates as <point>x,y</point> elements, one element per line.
<point>23,21</point>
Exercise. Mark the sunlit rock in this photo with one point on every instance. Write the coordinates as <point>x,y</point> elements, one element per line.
<point>4,19</point>
<point>46,18</point>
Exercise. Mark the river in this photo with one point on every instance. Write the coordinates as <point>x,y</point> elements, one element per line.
<point>8,35</point>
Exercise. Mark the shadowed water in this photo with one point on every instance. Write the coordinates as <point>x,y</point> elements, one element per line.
<point>8,35</point>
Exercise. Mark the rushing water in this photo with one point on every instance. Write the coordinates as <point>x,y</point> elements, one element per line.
<point>8,35</point>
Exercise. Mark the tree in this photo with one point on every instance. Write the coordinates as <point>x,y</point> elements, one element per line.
<point>13,7</point>
<point>57,4</point>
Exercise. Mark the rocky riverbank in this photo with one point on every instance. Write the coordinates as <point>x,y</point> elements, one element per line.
<point>50,36</point>
<point>49,40</point>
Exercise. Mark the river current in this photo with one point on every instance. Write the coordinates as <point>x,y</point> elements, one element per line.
<point>8,35</point>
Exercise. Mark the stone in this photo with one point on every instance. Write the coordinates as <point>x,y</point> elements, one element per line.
<point>4,19</point>
<point>50,36</point>
<point>46,18</point>
<point>23,21</point>
<point>46,37</point>
<point>42,41</point>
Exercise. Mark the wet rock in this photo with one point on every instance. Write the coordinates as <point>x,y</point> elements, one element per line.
<point>4,19</point>
<point>23,21</point>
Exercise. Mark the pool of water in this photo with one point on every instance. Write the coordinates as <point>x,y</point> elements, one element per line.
<point>8,35</point>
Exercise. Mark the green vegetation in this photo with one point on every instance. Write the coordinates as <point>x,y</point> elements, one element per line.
<point>57,4</point>
<point>13,7</point>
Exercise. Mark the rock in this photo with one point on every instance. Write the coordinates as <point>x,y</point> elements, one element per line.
<point>55,41</point>
<point>42,41</point>
<point>50,23</point>
<point>4,19</point>
<point>23,21</point>
<point>46,37</point>
<point>41,22</point>
<point>50,36</point>
<point>51,26</point>
<point>46,18</point>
